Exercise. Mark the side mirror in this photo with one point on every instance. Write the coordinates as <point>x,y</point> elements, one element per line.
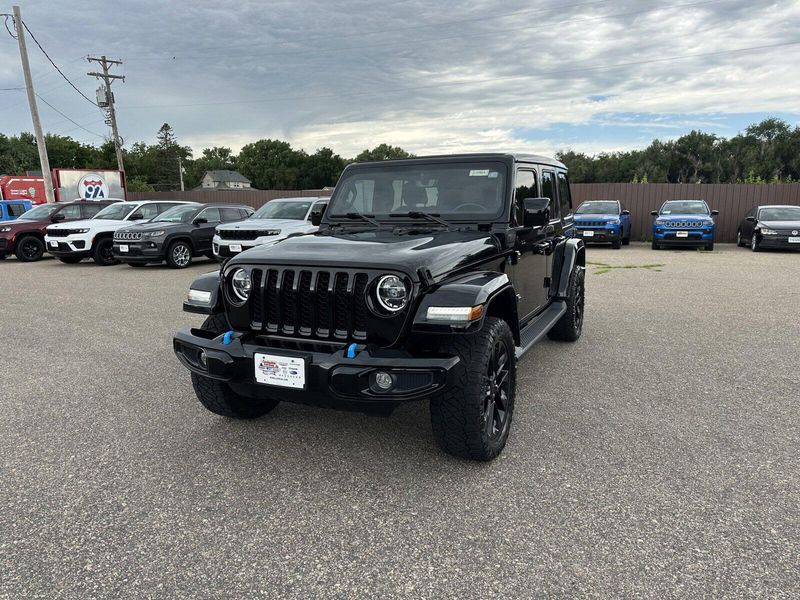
<point>200,221</point>
<point>654,213</point>
<point>715,212</point>
<point>57,217</point>
<point>626,212</point>
<point>137,217</point>
<point>537,212</point>
<point>316,216</point>
<point>751,219</point>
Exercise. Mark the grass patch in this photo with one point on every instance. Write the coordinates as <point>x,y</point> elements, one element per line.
<point>605,267</point>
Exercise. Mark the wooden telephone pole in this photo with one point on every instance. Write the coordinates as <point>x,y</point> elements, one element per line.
<point>37,125</point>
<point>107,100</point>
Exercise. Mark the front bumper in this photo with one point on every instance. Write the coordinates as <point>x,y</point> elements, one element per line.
<point>138,252</point>
<point>223,248</point>
<point>598,235</point>
<point>331,379</point>
<point>778,242</point>
<point>693,237</point>
<point>72,245</point>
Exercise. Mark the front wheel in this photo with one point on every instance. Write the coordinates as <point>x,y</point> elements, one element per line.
<point>569,327</point>
<point>179,255</point>
<point>104,253</point>
<point>754,243</point>
<point>655,246</point>
<point>472,418</point>
<point>710,247</point>
<point>30,248</point>
<point>217,396</point>
<point>617,244</point>
<point>739,241</point>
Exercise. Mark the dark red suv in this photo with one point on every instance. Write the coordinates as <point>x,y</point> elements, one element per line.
<point>25,235</point>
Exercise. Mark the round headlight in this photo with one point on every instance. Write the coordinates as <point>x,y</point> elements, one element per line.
<point>392,293</point>
<point>241,284</point>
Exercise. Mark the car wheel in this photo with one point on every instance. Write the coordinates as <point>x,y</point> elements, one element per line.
<point>104,253</point>
<point>217,396</point>
<point>210,255</point>
<point>739,241</point>
<point>472,418</point>
<point>569,327</point>
<point>179,255</point>
<point>710,247</point>
<point>754,243</point>
<point>70,260</point>
<point>617,244</point>
<point>29,248</point>
<point>655,246</point>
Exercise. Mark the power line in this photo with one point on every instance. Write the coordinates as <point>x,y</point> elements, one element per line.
<point>69,119</point>
<point>33,37</point>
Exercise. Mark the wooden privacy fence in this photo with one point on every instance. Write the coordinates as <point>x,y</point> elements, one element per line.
<point>731,200</point>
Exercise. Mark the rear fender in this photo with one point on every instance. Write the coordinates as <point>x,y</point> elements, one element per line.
<point>204,297</point>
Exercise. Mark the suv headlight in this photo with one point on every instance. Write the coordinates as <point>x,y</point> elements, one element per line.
<point>613,222</point>
<point>5,229</point>
<point>152,234</point>
<point>270,232</point>
<point>241,284</point>
<point>80,230</point>
<point>391,293</point>
<point>765,231</point>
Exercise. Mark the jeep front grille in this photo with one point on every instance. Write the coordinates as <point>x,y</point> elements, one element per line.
<point>61,232</point>
<point>128,235</point>
<point>590,223</point>
<point>686,224</point>
<point>243,234</point>
<point>311,303</point>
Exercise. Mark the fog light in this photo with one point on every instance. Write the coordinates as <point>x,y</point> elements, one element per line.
<point>383,380</point>
<point>203,359</point>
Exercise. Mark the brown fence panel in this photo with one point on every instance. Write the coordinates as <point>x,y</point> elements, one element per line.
<point>731,200</point>
<point>254,198</point>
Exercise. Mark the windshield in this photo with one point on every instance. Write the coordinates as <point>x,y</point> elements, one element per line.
<point>40,212</point>
<point>115,212</point>
<point>277,209</point>
<point>178,214</point>
<point>776,213</point>
<point>684,207</point>
<point>598,208</point>
<point>467,191</point>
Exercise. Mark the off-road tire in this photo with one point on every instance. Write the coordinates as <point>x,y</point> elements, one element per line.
<point>217,396</point>
<point>186,250</point>
<point>102,253</point>
<point>70,260</point>
<point>29,248</point>
<point>459,413</point>
<point>569,327</point>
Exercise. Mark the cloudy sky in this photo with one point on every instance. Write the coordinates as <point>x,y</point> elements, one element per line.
<point>432,77</point>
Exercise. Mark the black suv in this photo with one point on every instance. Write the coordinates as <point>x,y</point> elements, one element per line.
<point>175,235</point>
<point>428,279</point>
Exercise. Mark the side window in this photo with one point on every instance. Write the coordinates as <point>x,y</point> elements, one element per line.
<point>164,206</point>
<point>752,212</point>
<point>16,210</point>
<point>211,214</point>
<point>71,212</point>
<point>230,214</point>
<point>88,210</point>
<point>245,213</point>
<point>525,187</point>
<point>564,197</point>
<point>549,190</point>
<point>318,206</point>
<point>148,211</point>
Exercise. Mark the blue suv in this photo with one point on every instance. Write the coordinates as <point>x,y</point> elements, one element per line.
<point>603,221</point>
<point>14,209</point>
<point>684,223</point>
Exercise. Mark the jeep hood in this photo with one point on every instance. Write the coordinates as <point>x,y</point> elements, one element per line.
<point>249,224</point>
<point>607,217</point>
<point>89,224</point>
<point>439,251</point>
<point>683,217</point>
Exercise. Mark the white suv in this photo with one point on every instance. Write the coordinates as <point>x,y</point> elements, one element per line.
<point>275,221</point>
<point>73,241</point>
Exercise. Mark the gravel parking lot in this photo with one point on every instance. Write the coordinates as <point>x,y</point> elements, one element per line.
<point>656,457</point>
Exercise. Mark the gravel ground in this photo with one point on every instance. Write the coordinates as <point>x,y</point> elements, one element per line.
<point>656,457</point>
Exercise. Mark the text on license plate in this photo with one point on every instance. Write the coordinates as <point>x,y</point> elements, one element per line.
<point>236,247</point>
<point>794,240</point>
<point>588,233</point>
<point>282,371</point>
<point>123,247</point>
<point>682,234</point>
<point>54,244</point>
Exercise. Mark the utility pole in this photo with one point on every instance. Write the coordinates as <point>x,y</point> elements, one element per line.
<point>37,126</point>
<point>107,100</point>
<point>180,170</point>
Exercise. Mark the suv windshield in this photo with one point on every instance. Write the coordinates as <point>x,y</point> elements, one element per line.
<point>115,211</point>
<point>467,191</point>
<point>40,212</point>
<point>684,207</point>
<point>776,213</point>
<point>178,214</point>
<point>277,209</point>
<point>598,208</point>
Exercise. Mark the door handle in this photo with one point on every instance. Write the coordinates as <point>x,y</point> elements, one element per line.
<point>543,247</point>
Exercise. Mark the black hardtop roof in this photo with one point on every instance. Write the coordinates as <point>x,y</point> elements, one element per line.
<point>516,157</point>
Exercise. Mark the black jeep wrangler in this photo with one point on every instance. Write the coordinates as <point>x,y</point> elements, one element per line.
<point>428,279</point>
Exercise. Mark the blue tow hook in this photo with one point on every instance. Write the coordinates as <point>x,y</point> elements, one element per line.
<point>351,351</point>
<point>227,338</point>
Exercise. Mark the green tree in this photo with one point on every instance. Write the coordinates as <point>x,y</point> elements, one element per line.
<point>382,152</point>
<point>272,164</point>
<point>321,169</point>
<point>211,159</point>
<point>168,157</point>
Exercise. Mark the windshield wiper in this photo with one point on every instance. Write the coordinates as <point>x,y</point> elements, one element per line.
<point>418,214</point>
<point>357,215</point>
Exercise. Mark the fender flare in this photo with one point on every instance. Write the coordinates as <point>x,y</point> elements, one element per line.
<point>569,254</point>
<point>492,289</point>
<point>209,283</point>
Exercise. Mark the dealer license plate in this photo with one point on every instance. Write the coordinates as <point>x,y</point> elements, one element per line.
<point>281,371</point>
<point>682,234</point>
<point>123,247</point>
<point>794,240</point>
<point>588,234</point>
<point>54,244</point>
<point>236,247</point>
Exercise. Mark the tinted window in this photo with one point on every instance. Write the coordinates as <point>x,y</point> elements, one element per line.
<point>549,190</point>
<point>277,209</point>
<point>147,211</point>
<point>685,207</point>
<point>780,213</point>
<point>87,210</point>
<point>210,214</point>
<point>16,210</point>
<point>164,206</point>
<point>525,187</point>
<point>230,214</point>
<point>564,197</point>
<point>597,208</point>
<point>245,213</point>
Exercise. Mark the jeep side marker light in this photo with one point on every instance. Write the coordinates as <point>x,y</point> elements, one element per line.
<point>457,314</point>
<point>199,296</point>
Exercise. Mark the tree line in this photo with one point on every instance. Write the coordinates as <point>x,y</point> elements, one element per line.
<point>765,152</point>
